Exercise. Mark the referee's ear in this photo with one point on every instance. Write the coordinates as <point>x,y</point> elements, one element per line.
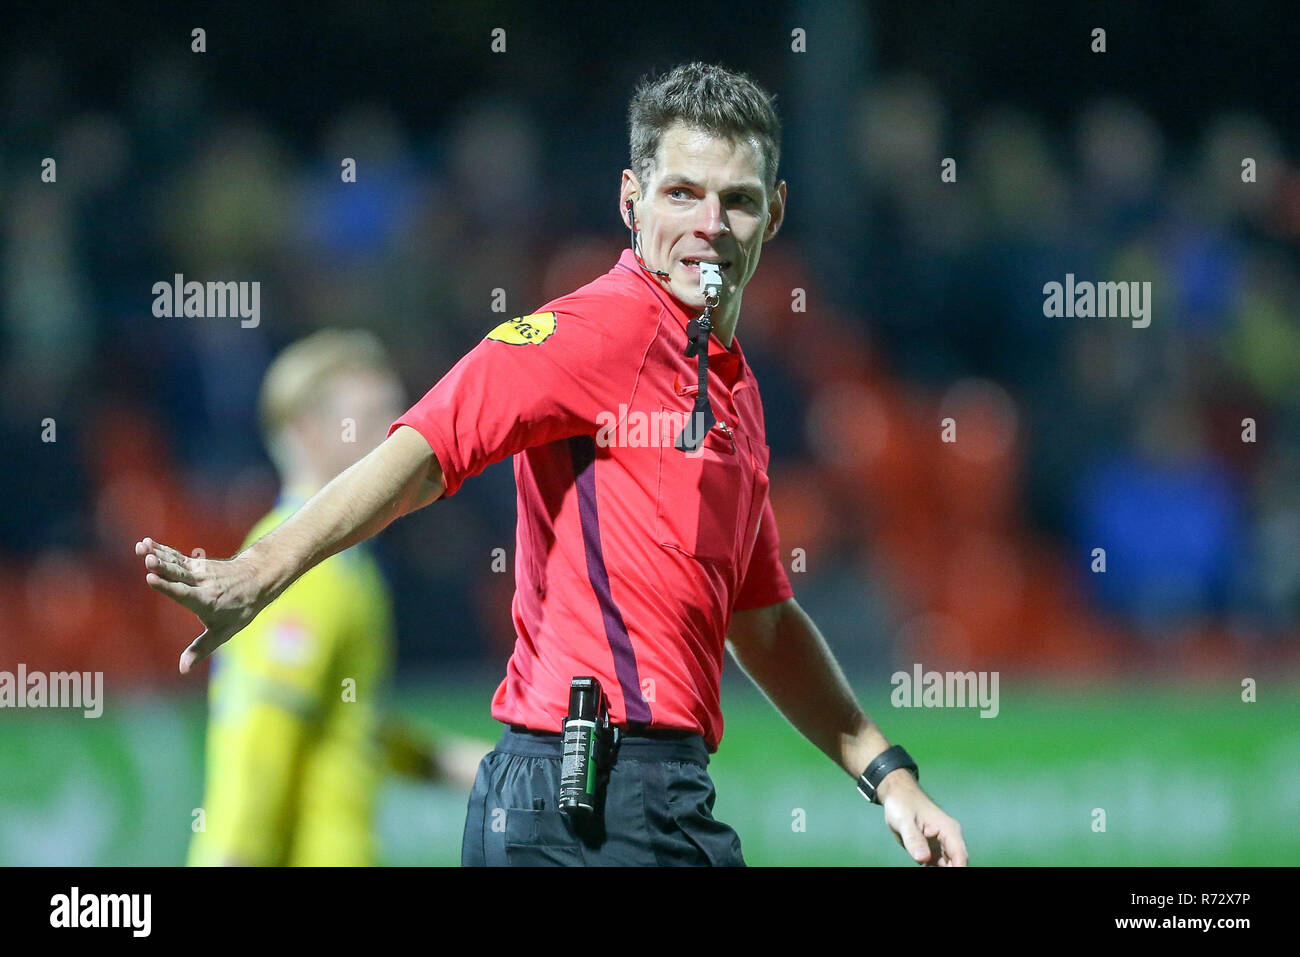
<point>629,191</point>
<point>775,211</point>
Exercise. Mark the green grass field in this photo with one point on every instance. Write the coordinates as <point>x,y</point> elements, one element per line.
<point>1184,776</point>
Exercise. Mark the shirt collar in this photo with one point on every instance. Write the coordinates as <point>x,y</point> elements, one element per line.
<point>729,362</point>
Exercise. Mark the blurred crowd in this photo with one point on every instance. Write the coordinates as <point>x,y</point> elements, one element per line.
<point>1071,434</point>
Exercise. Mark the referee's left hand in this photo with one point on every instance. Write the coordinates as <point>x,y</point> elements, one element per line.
<point>932,837</point>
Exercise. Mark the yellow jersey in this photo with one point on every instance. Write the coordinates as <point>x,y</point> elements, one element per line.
<point>293,760</point>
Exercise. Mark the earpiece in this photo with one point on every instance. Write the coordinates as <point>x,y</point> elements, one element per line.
<point>632,230</point>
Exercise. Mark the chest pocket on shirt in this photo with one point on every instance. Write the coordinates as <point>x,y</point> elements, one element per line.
<point>703,500</point>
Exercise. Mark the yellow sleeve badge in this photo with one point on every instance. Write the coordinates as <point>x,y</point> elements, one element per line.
<point>525,330</point>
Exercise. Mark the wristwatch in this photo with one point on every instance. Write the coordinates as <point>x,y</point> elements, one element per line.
<point>888,760</point>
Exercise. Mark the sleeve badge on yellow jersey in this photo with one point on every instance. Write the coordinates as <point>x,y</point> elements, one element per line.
<point>290,644</point>
<point>525,330</point>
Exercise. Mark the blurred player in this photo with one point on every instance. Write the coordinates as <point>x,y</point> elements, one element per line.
<point>296,745</point>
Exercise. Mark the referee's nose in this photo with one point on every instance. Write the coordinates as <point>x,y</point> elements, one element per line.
<point>711,223</point>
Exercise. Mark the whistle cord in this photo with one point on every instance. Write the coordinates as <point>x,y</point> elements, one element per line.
<point>702,418</point>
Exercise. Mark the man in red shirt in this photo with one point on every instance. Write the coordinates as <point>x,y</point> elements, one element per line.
<point>637,562</point>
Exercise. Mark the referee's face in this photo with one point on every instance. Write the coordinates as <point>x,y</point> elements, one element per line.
<point>705,199</point>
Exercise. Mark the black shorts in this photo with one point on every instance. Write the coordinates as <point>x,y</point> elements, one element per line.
<point>658,808</point>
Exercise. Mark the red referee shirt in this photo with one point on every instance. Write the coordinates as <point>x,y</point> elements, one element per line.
<point>630,555</point>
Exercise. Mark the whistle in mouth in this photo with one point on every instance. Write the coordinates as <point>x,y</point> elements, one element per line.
<point>711,282</point>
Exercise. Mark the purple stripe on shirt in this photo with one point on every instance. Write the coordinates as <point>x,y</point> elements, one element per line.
<point>582,449</point>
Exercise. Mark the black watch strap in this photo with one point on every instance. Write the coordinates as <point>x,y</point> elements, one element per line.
<point>888,760</point>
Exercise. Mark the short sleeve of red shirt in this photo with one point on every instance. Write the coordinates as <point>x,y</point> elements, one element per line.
<point>530,381</point>
<point>765,581</point>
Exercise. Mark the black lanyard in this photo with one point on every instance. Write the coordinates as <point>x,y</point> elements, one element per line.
<point>701,418</point>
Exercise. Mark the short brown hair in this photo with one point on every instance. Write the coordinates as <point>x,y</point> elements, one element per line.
<point>707,97</point>
<point>296,379</point>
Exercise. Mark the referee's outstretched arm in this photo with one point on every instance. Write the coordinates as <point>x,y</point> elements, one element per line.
<point>782,651</point>
<point>401,475</point>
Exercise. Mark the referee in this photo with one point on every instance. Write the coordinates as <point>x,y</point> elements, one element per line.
<point>646,542</point>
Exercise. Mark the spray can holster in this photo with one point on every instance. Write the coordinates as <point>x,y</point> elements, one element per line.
<point>589,745</point>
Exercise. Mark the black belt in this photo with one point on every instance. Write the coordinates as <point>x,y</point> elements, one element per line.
<point>654,734</point>
<point>660,744</point>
